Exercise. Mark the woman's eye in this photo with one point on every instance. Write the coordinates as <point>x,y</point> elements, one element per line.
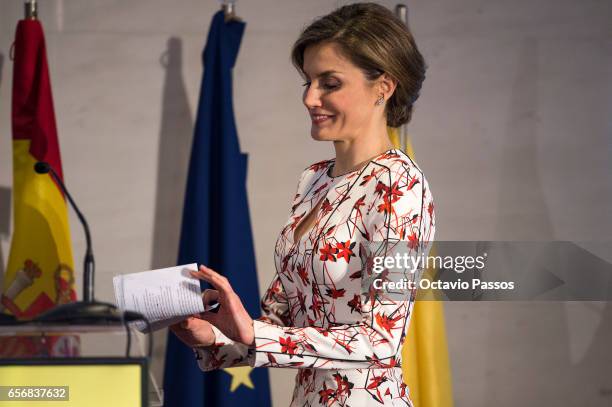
<point>328,86</point>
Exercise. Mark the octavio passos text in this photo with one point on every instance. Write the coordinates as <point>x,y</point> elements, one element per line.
<point>415,262</point>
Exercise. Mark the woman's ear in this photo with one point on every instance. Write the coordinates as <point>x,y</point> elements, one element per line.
<point>387,85</point>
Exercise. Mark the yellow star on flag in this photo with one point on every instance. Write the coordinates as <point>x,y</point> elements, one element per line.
<point>240,375</point>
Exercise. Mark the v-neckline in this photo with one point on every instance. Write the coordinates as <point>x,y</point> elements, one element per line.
<point>331,181</point>
<point>313,212</point>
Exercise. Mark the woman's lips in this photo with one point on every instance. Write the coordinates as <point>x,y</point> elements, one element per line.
<point>320,118</point>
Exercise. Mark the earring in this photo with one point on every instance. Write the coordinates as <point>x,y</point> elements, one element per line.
<point>380,100</point>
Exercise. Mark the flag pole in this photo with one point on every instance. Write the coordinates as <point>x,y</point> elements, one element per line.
<point>31,10</point>
<point>229,10</point>
<point>401,11</point>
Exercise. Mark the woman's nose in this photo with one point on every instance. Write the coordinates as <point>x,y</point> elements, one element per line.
<point>311,98</point>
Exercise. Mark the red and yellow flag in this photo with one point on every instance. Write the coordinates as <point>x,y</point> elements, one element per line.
<point>40,267</point>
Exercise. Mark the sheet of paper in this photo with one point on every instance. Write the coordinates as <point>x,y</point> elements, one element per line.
<point>163,296</point>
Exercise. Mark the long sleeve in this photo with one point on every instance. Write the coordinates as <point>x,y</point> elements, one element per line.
<point>224,353</point>
<point>274,304</point>
<point>228,353</point>
<point>401,211</point>
<point>275,310</point>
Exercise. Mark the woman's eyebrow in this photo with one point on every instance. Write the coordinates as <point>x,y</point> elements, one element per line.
<point>324,73</point>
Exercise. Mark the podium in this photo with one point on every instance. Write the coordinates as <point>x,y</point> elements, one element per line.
<point>49,364</point>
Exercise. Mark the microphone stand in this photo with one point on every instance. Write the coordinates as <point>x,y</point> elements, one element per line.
<point>88,311</point>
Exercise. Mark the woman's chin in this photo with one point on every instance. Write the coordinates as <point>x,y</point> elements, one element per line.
<point>319,135</point>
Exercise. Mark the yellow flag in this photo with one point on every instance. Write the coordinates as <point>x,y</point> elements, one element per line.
<point>425,362</point>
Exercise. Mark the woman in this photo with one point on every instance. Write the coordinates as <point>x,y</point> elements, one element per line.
<point>363,73</point>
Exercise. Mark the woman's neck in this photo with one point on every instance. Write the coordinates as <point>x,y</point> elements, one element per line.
<point>353,154</point>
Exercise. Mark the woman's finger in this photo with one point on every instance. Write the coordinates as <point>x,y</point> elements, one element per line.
<point>202,276</point>
<point>217,280</point>
<point>175,327</point>
<point>192,331</point>
<point>220,280</point>
<point>180,330</point>
<point>210,296</point>
<point>211,318</point>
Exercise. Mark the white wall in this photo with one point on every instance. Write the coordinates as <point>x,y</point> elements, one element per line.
<point>512,130</point>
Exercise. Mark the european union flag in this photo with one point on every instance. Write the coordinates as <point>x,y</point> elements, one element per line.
<point>216,228</point>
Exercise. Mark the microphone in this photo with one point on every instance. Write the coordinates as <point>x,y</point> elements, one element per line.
<point>88,311</point>
<point>42,167</point>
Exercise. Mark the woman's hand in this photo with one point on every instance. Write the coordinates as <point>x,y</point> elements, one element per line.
<point>194,332</point>
<point>231,319</point>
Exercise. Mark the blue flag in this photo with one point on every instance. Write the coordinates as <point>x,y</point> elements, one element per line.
<point>216,228</point>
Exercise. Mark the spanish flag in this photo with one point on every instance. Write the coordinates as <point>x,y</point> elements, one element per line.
<point>40,267</point>
<point>426,365</point>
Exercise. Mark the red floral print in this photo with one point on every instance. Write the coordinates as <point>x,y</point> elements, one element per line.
<point>327,253</point>
<point>386,322</point>
<point>287,345</point>
<point>345,250</point>
<point>345,343</point>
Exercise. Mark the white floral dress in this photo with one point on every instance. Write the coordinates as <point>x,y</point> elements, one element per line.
<point>346,344</point>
